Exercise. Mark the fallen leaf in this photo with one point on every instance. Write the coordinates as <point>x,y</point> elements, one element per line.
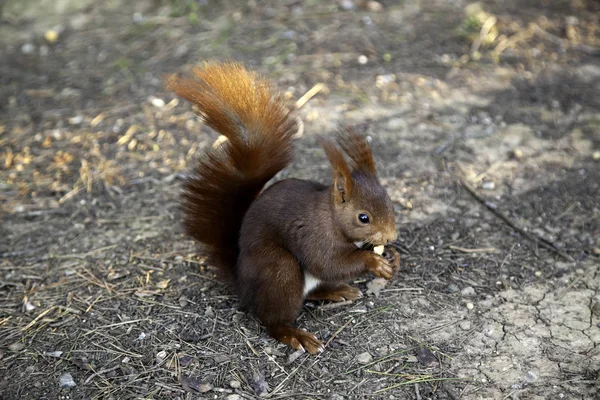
<point>426,357</point>
<point>375,286</point>
<point>163,284</point>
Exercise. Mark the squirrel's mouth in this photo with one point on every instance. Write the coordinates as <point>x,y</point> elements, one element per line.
<point>369,247</point>
<point>364,245</point>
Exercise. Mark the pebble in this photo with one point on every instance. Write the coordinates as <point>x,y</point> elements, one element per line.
<point>374,6</point>
<point>347,5</point>
<point>538,273</point>
<point>596,309</point>
<point>470,306</point>
<point>362,59</point>
<point>27,48</point>
<point>66,380</point>
<point>530,376</point>
<point>161,355</point>
<point>596,251</point>
<point>364,358</point>
<point>488,185</point>
<point>451,288</point>
<point>517,154</point>
<point>465,325</point>
<point>336,397</point>
<point>468,291</point>
<point>158,103</point>
<point>51,36</point>
<point>76,120</point>
<point>596,156</point>
<point>455,235</point>
<point>234,397</point>
<point>235,384</point>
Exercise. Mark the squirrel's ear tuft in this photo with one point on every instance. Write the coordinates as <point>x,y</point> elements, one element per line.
<point>342,177</point>
<point>359,151</point>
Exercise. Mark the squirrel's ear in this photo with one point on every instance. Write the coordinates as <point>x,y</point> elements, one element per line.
<point>359,151</point>
<point>342,177</point>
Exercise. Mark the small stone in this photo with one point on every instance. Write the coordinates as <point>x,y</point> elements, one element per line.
<point>451,288</point>
<point>142,336</point>
<point>183,301</point>
<point>336,397</point>
<point>488,185</point>
<point>530,376</point>
<point>538,273</point>
<point>66,381</point>
<point>596,309</point>
<point>235,384</point>
<point>51,36</point>
<point>364,358</point>
<point>17,346</point>
<point>455,235</point>
<point>517,154</point>
<point>161,355</point>
<point>209,312</point>
<point>468,291</point>
<point>27,48</point>
<point>572,20</point>
<point>234,397</point>
<point>374,6</point>
<point>465,325</point>
<point>347,5</point>
<point>158,103</point>
<point>596,155</point>
<point>470,306</point>
<point>412,359</point>
<point>29,306</point>
<point>362,59</point>
<point>76,120</point>
<point>596,251</point>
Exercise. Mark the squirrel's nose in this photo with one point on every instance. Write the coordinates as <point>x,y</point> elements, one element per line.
<point>392,236</point>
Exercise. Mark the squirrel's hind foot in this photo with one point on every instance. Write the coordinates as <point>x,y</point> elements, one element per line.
<point>296,338</point>
<point>341,292</point>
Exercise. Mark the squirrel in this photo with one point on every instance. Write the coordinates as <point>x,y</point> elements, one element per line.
<point>295,240</point>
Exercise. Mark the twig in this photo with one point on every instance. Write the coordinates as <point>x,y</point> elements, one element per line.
<point>309,95</point>
<point>101,372</point>
<point>480,250</point>
<point>36,319</point>
<point>563,42</point>
<point>417,394</point>
<point>537,240</point>
<point>338,331</point>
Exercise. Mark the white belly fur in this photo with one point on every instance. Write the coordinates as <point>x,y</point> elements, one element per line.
<point>310,283</point>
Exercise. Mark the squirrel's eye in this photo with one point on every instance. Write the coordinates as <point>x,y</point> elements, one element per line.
<point>364,218</point>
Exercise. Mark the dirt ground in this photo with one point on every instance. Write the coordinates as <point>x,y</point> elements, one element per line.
<point>102,296</point>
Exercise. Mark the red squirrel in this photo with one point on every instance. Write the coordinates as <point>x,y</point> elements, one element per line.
<point>297,239</point>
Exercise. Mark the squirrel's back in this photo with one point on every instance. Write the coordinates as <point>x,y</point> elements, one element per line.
<point>241,106</point>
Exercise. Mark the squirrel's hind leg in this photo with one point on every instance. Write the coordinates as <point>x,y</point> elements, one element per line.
<point>271,282</point>
<point>341,292</point>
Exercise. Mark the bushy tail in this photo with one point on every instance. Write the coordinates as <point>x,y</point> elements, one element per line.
<point>241,106</point>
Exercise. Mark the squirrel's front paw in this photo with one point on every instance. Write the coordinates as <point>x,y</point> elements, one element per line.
<point>380,267</point>
<point>393,257</point>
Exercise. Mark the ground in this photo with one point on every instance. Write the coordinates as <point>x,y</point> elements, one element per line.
<point>485,124</point>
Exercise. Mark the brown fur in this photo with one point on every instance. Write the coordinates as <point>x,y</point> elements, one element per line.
<point>241,106</point>
<point>270,242</point>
